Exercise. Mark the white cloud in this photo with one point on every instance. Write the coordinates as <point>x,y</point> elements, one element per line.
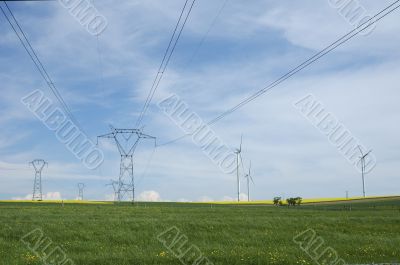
<point>109,197</point>
<point>228,199</point>
<point>54,195</point>
<point>183,200</point>
<point>243,197</point>
<point>149,196</point>
<point>205,199</point>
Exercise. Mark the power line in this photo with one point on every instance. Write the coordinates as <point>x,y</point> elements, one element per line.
<point>166,58</point>
<point>147,165</point>
<point>195,53</point>
<point>311,60</point>
<point>384,12</point>
<point>213,22</point>
<point>44,73</point>
<point>100,61</point>
<point>39,65</point>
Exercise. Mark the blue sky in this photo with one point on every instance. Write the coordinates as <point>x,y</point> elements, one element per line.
<point>106,80</point>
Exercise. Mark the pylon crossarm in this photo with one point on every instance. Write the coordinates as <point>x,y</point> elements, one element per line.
<point>107,135</point>
<point>127,131</point>
<point>143,135</point>
<point>38,162</point>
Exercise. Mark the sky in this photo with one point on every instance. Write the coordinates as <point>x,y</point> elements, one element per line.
<point>228,50</point>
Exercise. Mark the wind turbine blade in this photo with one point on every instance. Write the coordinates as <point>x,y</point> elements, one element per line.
<point>364,156</point>
<point>359,148</point>
<point>241,161</point>
<point>241,140</point>
<point>251,179</point>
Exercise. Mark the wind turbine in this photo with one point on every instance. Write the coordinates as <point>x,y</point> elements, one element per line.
<point>362,160</point>
<point>238,153</point>
<point>248,177</point>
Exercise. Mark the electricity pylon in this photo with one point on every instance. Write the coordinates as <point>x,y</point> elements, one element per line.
<point>38,165</point>
<point>238,153</point>
<point>114,184</point>
<point>249,178</point>
<point>363,166</point>
<point>81,187</point>
<point>126,141</point>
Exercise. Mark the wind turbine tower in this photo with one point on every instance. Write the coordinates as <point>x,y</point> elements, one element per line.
<point>238,153</point>
<point>126,140</point>
<point>38,165</point>
<point>249,178</point>
<point>363,166</point>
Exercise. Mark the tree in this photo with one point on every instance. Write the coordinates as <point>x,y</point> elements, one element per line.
<point>277,201</point>
<point>294,201</point>
<point>298,200</point>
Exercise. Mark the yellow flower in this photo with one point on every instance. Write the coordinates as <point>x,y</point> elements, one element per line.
<point>31,259</point>
<point>162,254</point>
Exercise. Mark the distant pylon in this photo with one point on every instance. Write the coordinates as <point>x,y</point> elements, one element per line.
<point>114,184</point>
<point>126,141</point>
<point>38,165</point>
<point>81,187</point>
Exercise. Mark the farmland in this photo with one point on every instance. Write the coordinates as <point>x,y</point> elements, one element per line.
<point>360,232</point>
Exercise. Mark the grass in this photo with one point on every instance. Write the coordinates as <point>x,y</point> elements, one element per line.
<point>308,201</point>
<point>57,201</point>
<point>360,231</point>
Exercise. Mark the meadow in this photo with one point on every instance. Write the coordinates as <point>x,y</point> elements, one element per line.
<point>361,232</point>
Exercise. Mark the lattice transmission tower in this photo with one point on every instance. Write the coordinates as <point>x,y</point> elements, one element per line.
<point>126,140</point>
<point>114,184</point>
<point>38,165</point>
<point>81,187</point>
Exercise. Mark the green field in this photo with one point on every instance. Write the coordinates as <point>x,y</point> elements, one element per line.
<point>361,232</point>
